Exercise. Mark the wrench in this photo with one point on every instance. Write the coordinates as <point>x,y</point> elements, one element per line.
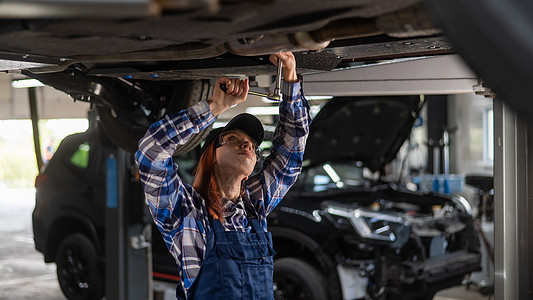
<point>274,96</point>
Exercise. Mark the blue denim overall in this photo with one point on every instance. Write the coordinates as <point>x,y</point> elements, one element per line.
<point>237,265</point>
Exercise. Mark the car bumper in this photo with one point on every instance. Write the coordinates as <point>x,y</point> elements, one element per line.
<point>38,234</point>
<point>449,265</point>
<point>436,273</point>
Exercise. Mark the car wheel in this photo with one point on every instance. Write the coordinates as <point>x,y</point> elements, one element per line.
<point>296,279</point>
<point>125,128</point>
<point>427,297</point>
<point>79,272</point>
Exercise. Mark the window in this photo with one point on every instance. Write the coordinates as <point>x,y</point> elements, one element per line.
<point>333,176</point>
<point>488,132</point>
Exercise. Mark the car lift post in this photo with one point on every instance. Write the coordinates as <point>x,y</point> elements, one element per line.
<point>128,250</point>
<point>34,116</point>
<point>513,204</point>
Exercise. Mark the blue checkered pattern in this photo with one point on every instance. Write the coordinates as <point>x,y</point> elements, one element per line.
<point>180,212</point>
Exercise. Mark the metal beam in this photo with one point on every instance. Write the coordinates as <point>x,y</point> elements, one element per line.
<point>53,104</point>
<point>79,9</point>
<point>128,262</point>
<point>35,127</point>
<point>513,207</point>
<point>115,232</point>
<point>446,74</point>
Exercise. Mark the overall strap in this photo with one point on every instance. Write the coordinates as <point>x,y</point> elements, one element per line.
<point>256,226</point>
<point>217,226</point>
<point>250,210</point>
<point>252,216</point>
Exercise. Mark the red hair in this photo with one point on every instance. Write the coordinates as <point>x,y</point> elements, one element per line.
<point>205,182</point>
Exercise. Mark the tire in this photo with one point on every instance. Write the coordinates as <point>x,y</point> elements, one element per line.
<point>118,125</point>
<point>79,271</point>
<point>122,136</point>
<point>296,279</point>
<point>427,297</point>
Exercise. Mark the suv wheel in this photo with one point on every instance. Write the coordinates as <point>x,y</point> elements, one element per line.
<point>78,271</point>
<point>296,279</point>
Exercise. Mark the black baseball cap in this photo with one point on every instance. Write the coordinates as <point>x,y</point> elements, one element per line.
<point>245,122</point>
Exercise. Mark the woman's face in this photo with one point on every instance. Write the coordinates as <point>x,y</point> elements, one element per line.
<point>236,152</point>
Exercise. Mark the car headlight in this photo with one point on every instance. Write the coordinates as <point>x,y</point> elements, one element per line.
<point>374,225</point>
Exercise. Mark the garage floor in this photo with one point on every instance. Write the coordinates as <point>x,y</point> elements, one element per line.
<point>24,275</point>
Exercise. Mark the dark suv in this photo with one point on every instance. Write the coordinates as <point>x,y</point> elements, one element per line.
<point>338,234</point>
<point>342,232</point>
<point>69,218</point>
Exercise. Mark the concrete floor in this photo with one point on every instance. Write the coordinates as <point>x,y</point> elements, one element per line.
<point>461,292</point>
<point>24,275</point>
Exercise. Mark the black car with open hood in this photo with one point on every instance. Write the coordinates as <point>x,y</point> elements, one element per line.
<point>337,234</point>
<point>369,130</point>
<point>364,238</point>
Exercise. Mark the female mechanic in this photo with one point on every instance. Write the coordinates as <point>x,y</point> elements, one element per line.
<point>216,229</point>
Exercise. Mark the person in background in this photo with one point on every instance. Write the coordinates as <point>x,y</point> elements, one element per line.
<point>48,151</point>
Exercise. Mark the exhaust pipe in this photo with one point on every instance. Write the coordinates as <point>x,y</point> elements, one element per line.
<point>304,41</point>
<point>264,45</point>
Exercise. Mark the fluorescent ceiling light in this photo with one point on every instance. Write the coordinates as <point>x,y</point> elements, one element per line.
<point>331,172</point>
<point>219,124</point>
<point>318,97</point>
<point>313,110</point>
<point>26,83</point>
<point>266,100</point>
<point>263,110</point>
<point>274,110</point>
<point>310,98</point>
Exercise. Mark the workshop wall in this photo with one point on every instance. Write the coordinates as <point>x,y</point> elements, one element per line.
<point>51,103</point>
<point>471,146</point>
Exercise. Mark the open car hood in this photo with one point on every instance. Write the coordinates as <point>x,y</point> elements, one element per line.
<point>370,130</point>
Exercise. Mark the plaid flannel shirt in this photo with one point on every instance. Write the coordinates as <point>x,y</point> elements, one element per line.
<point>180,213</point>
